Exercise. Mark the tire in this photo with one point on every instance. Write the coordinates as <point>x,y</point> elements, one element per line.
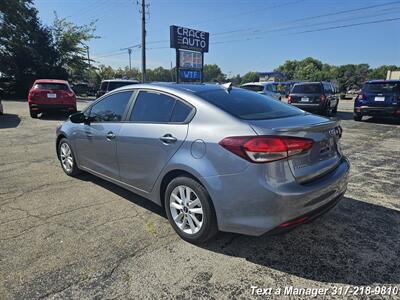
<point>69,167</point>
<point>357,118</point>
<point>326,110</point>
<point>33,114</point>
<point>186,226</point>
<point>334,111</point>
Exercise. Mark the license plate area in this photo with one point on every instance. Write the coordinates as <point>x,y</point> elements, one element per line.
<point>51,95</point>
<point>379,99</point>
<point>305,99</point>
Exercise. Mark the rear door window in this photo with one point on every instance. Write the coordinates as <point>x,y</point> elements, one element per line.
<point>309,88</point>
<point>153,107</point>
<point>247,105</point>
<point>111,108</point>
<point>51,86</point>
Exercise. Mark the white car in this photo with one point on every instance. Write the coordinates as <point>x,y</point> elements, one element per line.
<point>265,88</point>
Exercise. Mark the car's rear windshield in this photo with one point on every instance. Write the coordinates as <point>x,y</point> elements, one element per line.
<point>253,87</point>
<point>307,88</point>
<point>117,84</point>
<point>51,86</point>
<point>382,87</point>
<point>248,105</point>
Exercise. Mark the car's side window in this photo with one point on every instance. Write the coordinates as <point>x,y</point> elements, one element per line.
<point>181,112</point>
<point>111,108</point>
<point>153,107</point>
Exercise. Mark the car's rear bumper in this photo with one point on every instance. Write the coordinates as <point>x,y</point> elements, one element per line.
<point>386,111</point>
<point>52,107</point>
<point>308,106</point>
<point>263,198</point>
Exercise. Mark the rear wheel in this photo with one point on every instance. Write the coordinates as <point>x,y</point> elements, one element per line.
<point>357,117</point>
<point>334,111</point>
<point>67,158</point>
<point>34,114</point>
<point>190,211</point>
<point>327,110</point>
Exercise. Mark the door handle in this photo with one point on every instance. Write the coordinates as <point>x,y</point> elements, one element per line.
<point>110,135</point>
<point>168,139</point>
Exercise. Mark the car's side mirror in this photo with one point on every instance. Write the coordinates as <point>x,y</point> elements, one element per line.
<point>78,118</point>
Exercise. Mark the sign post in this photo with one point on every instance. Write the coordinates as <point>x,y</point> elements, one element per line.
<point>190,45</point>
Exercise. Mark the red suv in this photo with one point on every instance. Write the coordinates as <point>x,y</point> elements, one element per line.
<point>48,95</point>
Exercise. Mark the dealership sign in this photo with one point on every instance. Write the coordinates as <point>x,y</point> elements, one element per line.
<point>190,74</point>
<point>190,45</point>
<point>189,39</point>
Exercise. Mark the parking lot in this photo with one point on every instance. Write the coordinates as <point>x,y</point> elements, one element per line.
<point>83,237</point>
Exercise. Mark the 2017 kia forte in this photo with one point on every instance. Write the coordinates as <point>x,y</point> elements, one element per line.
<point>215,157</point>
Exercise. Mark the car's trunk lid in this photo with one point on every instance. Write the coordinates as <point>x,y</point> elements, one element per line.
<point>325,153</point>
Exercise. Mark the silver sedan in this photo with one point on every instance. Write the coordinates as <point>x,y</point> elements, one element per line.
<point>216,158</point>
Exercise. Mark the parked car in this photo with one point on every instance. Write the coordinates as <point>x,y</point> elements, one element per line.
<point>378,98</point>
<point>112,84</point>
<point>215,157</point>
<point>318,97</point>
<point>51,95</point>
<point>265,88</point>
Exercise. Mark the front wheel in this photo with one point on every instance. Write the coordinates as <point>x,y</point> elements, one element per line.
<point>67,158</point>
<point>190,211</point>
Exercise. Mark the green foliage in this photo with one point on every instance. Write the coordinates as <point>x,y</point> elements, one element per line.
<point>159,74</point>
<point>250,77</point>
<point>69,41</point>
<point>27,51</point>
<point>381,72</point>
<point>213,73</point>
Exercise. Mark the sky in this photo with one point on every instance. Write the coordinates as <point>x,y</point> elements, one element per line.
<point>252,35</point>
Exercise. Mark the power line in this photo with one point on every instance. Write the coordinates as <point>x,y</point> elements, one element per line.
<point>349,25</point>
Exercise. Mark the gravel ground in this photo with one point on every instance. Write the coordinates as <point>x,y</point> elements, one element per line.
<point>85,238</point>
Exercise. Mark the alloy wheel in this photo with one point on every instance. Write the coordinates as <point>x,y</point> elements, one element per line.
<point>67,159</point>
<point>186,209</point>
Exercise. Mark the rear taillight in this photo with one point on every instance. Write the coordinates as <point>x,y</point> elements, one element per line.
<point>289,99</point>
<point>31,96</point>
<point>322,98</point>
<point>360,97</point>
<point>262,149</point>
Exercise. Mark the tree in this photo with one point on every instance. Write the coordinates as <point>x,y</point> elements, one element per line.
<point>381,72</point>
<point>250,77</point>
<point>70,42</point>
<point>27,51</point>
<point>213,73</point>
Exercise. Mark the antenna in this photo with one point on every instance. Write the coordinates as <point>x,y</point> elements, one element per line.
<point>227,86</point>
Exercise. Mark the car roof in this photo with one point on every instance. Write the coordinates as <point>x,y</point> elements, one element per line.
<point>383,81</point>
<point>51,81</point>
<point>191,88</point>
<point>120,80</point>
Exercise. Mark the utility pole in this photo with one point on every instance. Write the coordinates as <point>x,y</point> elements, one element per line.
<point>143,41</point>
<point>130,62</point>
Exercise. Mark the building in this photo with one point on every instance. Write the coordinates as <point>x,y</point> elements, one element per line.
<point>393,75</point>
<point>271,76</point>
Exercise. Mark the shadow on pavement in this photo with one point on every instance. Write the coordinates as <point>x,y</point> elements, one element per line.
<point>9,121</point>
<point>130,196</point>
<point>355,243</point>
<point>54,116</point>
<point>342,115</point>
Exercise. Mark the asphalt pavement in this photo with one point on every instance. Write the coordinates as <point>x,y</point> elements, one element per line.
<point>85,238</point>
